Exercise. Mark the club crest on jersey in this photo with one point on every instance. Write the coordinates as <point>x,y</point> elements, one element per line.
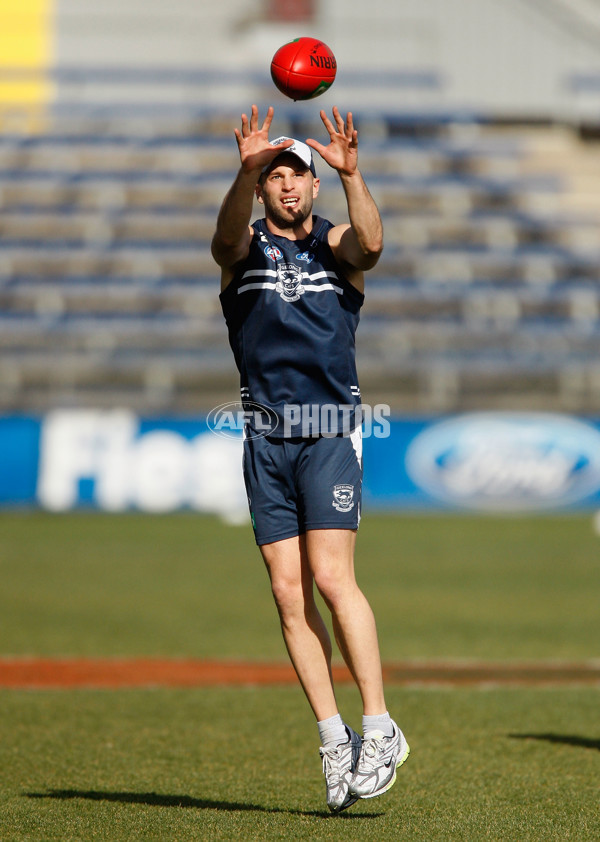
<point>343,497</point>
<point>273,253</point>
<point>306,256</point>
<point>289,282</point>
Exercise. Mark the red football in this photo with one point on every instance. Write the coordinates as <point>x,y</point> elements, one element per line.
<point>304,68</point>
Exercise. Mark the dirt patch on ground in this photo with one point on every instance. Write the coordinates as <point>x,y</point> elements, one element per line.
<point>113,673</point>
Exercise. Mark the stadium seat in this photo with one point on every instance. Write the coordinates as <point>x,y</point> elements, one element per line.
<point>108,292</point>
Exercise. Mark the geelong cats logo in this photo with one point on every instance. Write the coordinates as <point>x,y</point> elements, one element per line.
<point>289,282</point>
<point>343,497</point>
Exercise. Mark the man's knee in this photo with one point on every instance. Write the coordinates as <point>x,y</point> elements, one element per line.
<point>334,586</point>
<point>288,595</point>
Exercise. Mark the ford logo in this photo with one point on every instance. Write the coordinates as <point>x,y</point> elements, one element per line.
<point>507,461</point>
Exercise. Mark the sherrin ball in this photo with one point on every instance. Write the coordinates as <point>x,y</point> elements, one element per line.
<point>304,68</point>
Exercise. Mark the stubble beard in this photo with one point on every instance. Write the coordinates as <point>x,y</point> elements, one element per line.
<point>287,222</point>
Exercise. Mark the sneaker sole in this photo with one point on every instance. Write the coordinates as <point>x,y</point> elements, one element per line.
<point>392,781</point>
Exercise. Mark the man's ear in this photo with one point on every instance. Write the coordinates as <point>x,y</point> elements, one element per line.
<point>316,184</point>
<point>258,193</point>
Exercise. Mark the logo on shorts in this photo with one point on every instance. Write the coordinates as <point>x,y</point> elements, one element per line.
<point>343,497</point>
<point>289,282</point>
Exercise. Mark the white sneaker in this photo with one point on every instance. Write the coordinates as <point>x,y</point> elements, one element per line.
<point>339,763</point>
<point>376,768</point>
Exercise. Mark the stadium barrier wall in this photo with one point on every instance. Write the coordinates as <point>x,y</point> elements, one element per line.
<point>116,461</point>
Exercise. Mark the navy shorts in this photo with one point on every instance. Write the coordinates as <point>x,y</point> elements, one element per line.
<point>298,484</point>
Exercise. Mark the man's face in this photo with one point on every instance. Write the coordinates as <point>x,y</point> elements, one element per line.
<point>287,192</point>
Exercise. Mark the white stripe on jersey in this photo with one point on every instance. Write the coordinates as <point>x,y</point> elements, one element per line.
<point>307,287</point>
<point>316,275</point>
<point>264,285</point>
<point>252,273</point>
<point>322,287</point>
<point>271,273</point>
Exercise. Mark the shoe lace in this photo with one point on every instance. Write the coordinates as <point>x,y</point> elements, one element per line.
<point>331,765</point>
<point>371,750</point>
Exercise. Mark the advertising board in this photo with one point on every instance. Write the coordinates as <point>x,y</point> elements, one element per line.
<point>115,461</point>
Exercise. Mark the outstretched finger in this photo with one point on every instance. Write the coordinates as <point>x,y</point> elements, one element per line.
<point>350,130</point>
<point>318,147</point>
<point>245,128</point>
<point>254,118</point>
<point>338,119</point>
<point>329,127</point>
<point>268,119</point>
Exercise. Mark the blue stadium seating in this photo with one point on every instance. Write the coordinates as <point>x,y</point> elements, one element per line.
<point>487,293</point>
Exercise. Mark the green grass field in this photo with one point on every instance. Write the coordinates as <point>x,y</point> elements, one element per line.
<point>242,763</point>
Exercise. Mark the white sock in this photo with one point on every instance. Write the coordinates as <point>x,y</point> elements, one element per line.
<point>380,722</point>
<point>332,731</point>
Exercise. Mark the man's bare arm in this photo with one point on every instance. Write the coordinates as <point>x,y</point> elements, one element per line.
<point>233,234</point>
<point>360,243</point>
<point>231,240</point>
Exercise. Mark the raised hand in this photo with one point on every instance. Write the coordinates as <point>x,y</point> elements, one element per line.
<point>253,142</point>
<point>342,151</point>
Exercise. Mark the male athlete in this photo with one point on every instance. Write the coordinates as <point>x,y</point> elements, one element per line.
<point>291,291</point>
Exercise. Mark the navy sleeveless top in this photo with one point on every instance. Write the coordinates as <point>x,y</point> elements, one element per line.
<point>292,317</point>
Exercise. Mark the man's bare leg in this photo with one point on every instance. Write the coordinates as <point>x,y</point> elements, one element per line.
<point>305,634</point>
<point>331,558</point>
